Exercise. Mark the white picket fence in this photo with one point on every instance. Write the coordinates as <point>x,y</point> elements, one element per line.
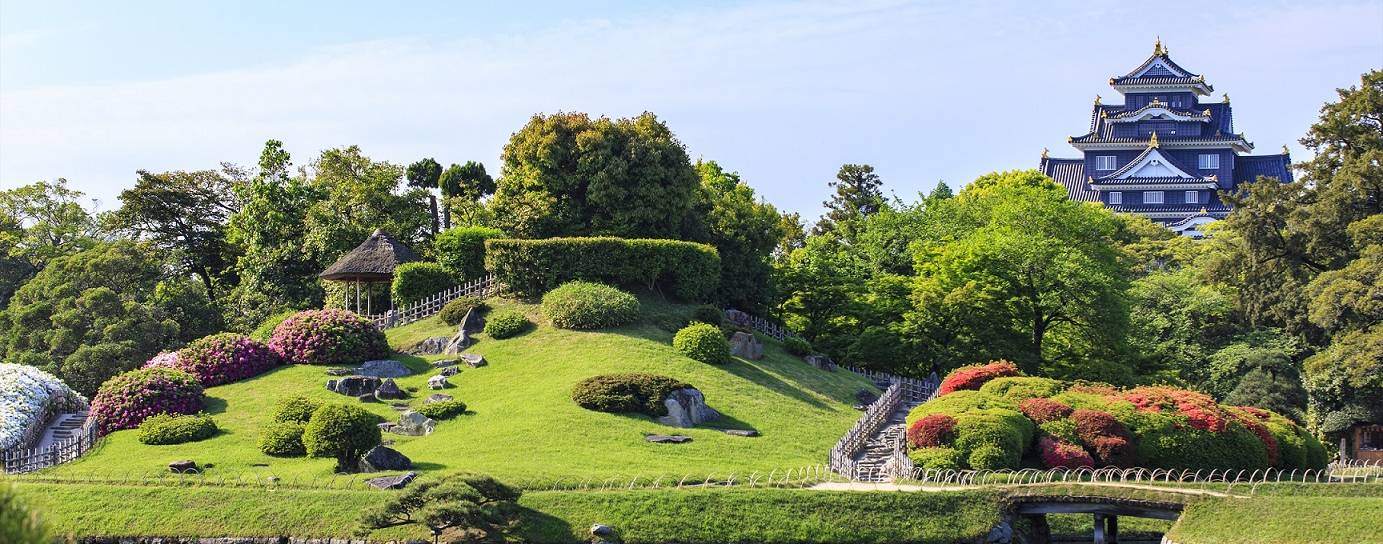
<point>428,307</point>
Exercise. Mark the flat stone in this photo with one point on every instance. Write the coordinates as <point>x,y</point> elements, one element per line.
<point>602,530</point>
<point>472,360</point>
<point>386,427</point>
<point>742,432</point>
<point>399,406</point>
<point>384,368</point>
<point>389,391</point>
<point>686,407</point>
<point>451,371</point>
<point>382,458</point>
<point>437,397</point>
<point>367,397</point>
<point>667,439</point>
<point>183,467</point>
<point>461,341</point>
<point>392,482</point>
<point>354,386</point>
<point>444,363</point>
<point>437,382</point>
<point>340,371</point>
<point>414,424</point>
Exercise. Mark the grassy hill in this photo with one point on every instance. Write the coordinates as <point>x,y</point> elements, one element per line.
<point>523,427</point>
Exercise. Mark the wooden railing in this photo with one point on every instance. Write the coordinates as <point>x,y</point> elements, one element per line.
<point>842,457</point>
<point>31,459</point>
<point>428,307</point>
<point>770,328</point>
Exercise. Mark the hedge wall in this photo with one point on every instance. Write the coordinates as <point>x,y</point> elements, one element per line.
<point>686,270</point>
<point>461,250</point>
<point>418,280</point>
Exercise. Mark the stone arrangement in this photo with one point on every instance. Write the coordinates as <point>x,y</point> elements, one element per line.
<point>413,424</point>
<point>392,482</point>
<point>438,382</point>
<point>686,407</point>
<point>821,362</point>
<point>384,368</point>
<point>384,458</point>
<point>437,397</point>
<point>745,345</point>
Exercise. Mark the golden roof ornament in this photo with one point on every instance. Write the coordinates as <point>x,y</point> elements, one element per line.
<point>1152,142</point>
<point>1097,100</point>
<point>1203,210</point>
<point>1104,113</point>
<point>1158,49</point>
<point>1155,102</point>
<point>1044,152</point>
<point>1284,150</point>
<point>1226,98</point>
<point>1206,112</point>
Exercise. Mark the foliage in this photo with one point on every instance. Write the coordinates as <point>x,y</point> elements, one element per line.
<point>126,400</point>
<point>224,358</point>
<point>19,524</point>
<point>744,231</point>
<point>184,214</point>
<point>1282,393</point>
<point>626,393</point>
<point>1022,388</point>
<point>857,196</point>
<point>1058,454</point>
<point>506,325</point>
<point>27,394</point>
<point>585,305</point>
<point>707,313</point>
<point>464,184</point>
<point>1266,350</point>
<point>931,431</point>
<point>283,439</point>
<point>458,502</point>
<point>937,458</point>
<point>1042,410</point>
<point>975,376</point>
<point>530,267</point>
<point>163,429</point>
<point>876,347</point>
<point>567,174</point>
<point>418,280</point>
<point>797,345</point>
<point>1176,320</point>
<point>446,409</point>
<point>295,409</point>
<point>823,287</point>
<point>265,330</point>
<point>461,250</point>
<point>1108,439</point>
<point>40,222</point>
<point>342,431</point>
<point>1345,380</point>
<point>454,312</point>
<point>327,337</point>
<point>702,342</point>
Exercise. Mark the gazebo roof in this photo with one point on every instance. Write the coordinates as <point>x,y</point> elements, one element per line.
<point>373,260</point>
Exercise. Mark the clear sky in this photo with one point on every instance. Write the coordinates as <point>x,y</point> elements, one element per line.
<point>783,92</point>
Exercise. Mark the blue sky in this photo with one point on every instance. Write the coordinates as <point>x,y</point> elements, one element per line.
<point>783,92</point>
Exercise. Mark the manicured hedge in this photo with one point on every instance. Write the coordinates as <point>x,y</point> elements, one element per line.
<point>322,337</point>
<point>506,325</point>
<point>1021,388</point>
<point>295,409</point>
<point>224,358</point>
<point>418,280</point>
<point>455,311</point>
<point>126,400</point>
<point>626,393</point>
<point>163,429</point>
<point>702,342</point>
<point>686,270</point>
<point>585,305</point>
<point>343,431</point>
<point>461,250</point>
<point>446,409</point>
<point>974,376</point>
<point>283,439</point>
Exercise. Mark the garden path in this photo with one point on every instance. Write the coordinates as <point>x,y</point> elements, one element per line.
<point>62,427</point>
<point>878,450</point>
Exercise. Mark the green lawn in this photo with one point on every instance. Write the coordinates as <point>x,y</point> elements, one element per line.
<point>523,426</point>
<point>1281,520</point>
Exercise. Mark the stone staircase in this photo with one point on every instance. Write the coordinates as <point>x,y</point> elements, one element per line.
<point>879,448</point>
<point>62,427</point>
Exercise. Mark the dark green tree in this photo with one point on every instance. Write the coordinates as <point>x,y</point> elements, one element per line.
<point>743,229</point>
<point>449,507</point>
<point>857,195</point>
<point>426,174</point>
<point>1279,392</point>
<point>823,286</point>
<point>462,188</point>
<point>184,214</point>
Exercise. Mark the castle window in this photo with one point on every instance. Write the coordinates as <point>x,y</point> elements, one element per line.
<point>1210,161</point>
<point>1105,162</point>
<point>1192,197</point>
<point>1152,197</point>
<point>1116,197</point>
<point>1176,102</point>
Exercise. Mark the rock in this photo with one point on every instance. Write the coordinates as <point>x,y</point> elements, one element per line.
<point>444,363</point>
<point>451,371</point>
<point>186,466</point>
<point>389,391</point>
<point>399,406</point>
<point>821,362</point>
<point>602,530</point>
<point>667,439</point>
<point>430,346</point>
<point>367,397</point>
<point>386,427</point>
<point>743,344</point>
<point>742,432</point>
<point>414,424</point>
<point>437,382</point>
<point>866,397</point>
<point>437,397</point>
<point>461,341</point>
<point>1001,533</point>
<point>384,368</point>
<point>392,482</point>
<point>472,360</point>
<point>686,407</point>
<point>382,458</point>
<point>472,323</point>
<point>354,386</point>
<point>340,371</point>
<point>737,317</point>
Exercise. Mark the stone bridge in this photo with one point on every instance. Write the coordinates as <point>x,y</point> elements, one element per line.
<point>1105,509</point>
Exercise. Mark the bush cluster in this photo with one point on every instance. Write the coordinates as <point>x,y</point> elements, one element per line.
<point>706,313</point>
<point>328,337</point>
<point>702,342</point>
<point>1061,454</point>
<point>446,409</point>
<point>283,439</point>
<point>585,305</point>
<point>686,270</point>
<point>506,325</point>
<point>461,250</point>
<point>126,400</point>
<point>224,358</point>
<point>931,431</point>
<point>163,429</point>
<point>626,393</point>
<point>974,376</point>
<point>418,280</point>
<point>265,330</point>
<point>455,311</point>
<point>797,345</point>
<point>295,409</point>
<point>1043,410</point>
<point>1021,388</point>
<point>342,431</point>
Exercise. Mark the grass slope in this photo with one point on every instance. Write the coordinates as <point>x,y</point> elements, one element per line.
<point>523,426</point>
<point>1280,520</point>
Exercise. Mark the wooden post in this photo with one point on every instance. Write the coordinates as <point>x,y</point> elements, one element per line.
<point>1112,529</point>
<point>1099,529</point>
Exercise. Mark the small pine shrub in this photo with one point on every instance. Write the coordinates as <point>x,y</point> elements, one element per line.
<point>974,376</point>
<point>418,280</point>
<point>455,311</point>
<point>163,429</point>
<point>126,400</point>
<point>707,314</point>
<point>296,410</point>
<point>342,431</point>
<point>702,342</point>
<point>797,346</point>
<point>446,409</point>
<point>321,337</point>
<point>626,393</point>
<point>283,439</point>
<point>586,305</point>
<point>506,325</point>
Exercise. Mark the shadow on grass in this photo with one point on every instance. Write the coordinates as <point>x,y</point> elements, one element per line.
<point>535,526</point>
<point>415,363</point>
<point>753,373</point>
<point>214,405</point>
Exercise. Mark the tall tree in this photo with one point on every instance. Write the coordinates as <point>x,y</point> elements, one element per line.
<point>462,188</point>
<point>743,229</point>
<point>185,215</point>
<point>858,195</point>
<point>425,175</point>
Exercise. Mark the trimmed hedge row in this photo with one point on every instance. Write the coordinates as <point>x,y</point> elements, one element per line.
<point>688,270</point>
<point>418,280</point>
<point>461,250</point>
<point>164,429</point>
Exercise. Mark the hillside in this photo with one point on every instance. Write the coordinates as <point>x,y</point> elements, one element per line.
<point>523,426</point>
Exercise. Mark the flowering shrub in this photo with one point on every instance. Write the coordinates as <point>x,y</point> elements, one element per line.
<point>1105,436</point>
<point>1058,454</point>
<point>26,394</point>
<point>165,359</point>
<point>1199,409</point>
<point>974,376</point>
<point>126,400</point>
<point>224,358</point>
<point>327,337</point>
<point>1044,410</point>
<point>931,431</point>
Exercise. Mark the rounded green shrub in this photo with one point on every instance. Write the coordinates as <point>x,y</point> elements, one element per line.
<point>455,311</point>
<point>1008,431</point>
<point>320,337</point>
<point>446,409</point>
<point>626,393</point>
<point>586,305</point>
<point>990,457</point>
<point>418,280</point>
<point>706,313</point>
<point>283,439</point>
<point>342,431</point>
<point>506,325</point>
<point>937,458</point>
<point>702,342</point>
<point>296,409</point>
<point>960,402</point>
<point>165,429</point>
<point>797,345</point>
<point>1021,388</point>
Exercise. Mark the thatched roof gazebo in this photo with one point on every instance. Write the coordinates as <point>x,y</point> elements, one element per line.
<point>373,261</point>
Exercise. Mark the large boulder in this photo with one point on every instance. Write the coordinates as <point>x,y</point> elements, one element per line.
<point>414,424</point>
<point>354,386</point>
<point>430,346</point>
<point>473,360</point>
<point>745,345</point>
<point>384,368</point>
<point>382,458</point>
<point>460,342</point>
<point>821,362</point>
<point>472,323</point>
<point>737,317</point>
<point>388,390</point>
<point>686,407</point>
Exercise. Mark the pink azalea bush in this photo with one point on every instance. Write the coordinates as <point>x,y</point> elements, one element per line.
<point>224,358</point>
<point>327,337</point>
<point>126,400</point>
<point>1059,454</point>
<point>165,359</point>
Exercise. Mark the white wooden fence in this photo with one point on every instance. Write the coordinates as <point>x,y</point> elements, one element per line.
<point>31,459</point>
<point>428,307</point>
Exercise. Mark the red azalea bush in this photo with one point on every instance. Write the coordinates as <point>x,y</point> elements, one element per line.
<point>974,376</point>
<point>1254,423</point>
<point>224,358</point>
<point>1104,435</point>
<point>1058,454</point>
<point>126,400</point>
<point>1043,410</point>
<point>931,431</point>
<point>327,337</point>
<point>1200,410</point>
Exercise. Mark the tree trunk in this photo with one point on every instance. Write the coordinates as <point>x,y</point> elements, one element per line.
<point>432,205</point>
<point>206,280</point>
<point>446,215</point>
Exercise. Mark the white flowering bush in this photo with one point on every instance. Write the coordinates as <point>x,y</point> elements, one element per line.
<point>26,393</point>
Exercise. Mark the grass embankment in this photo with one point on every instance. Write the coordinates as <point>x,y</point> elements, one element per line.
<point>1281,520</point>
<point>523,426</point>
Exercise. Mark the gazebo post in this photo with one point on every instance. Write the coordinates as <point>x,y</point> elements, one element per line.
<point>369,308</point>
<point>373,261</point>
<point>357,296</point>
